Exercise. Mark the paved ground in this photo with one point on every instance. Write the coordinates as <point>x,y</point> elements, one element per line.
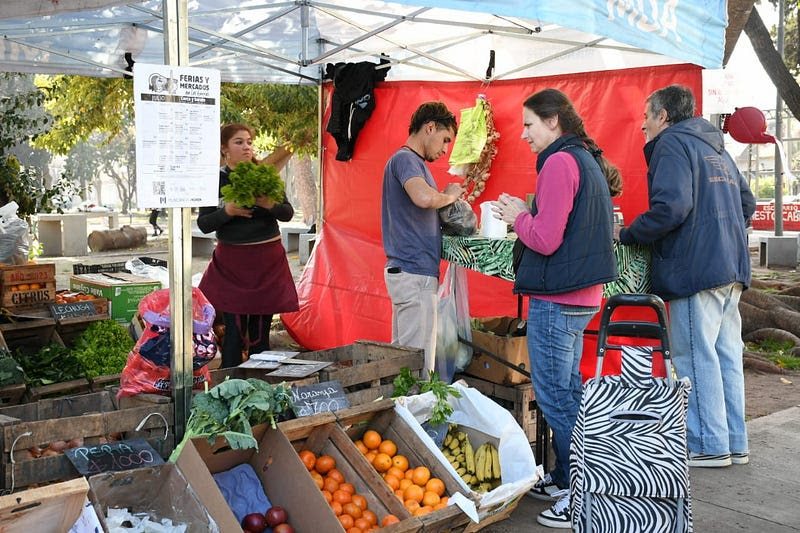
<point>762,497</point>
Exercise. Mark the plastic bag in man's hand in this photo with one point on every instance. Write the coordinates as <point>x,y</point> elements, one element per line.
<point>458,219</point>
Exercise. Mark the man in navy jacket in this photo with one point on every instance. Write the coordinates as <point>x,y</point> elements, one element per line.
<point>699,209</point>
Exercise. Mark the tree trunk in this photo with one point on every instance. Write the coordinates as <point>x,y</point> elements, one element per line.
<point>113,239</point>
<point>306,189</point>
<point>771,60</point>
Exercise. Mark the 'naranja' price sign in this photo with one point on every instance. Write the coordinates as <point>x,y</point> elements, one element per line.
<point>113,456</point>
<point>318,397</point>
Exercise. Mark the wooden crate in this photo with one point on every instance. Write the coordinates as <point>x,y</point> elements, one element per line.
<point>14,277</point>
<point>12,394</point>
<point>92,417</point>
<point>50,509</point>
<point>218,375</point>
<point>29,335</point>
<point>366,369</point>
<point>322,435</point>
<point>69,329</point>
<point>382,417</point>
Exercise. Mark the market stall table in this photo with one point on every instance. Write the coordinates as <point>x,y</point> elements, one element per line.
<point>493,257</point>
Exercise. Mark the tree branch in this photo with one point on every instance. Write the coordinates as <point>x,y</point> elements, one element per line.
<point>770,59</point>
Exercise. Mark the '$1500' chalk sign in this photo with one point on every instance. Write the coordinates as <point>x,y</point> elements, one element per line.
<point>318,397</point>
<point>113,456</point>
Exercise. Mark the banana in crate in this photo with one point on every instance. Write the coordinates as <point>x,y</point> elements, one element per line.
<point>480,469</point>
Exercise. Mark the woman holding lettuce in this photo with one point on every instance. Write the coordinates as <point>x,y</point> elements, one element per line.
<point>248,279</point>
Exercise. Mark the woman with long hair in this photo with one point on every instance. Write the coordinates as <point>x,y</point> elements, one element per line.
<point>564,255</point>
<point>248,279</point>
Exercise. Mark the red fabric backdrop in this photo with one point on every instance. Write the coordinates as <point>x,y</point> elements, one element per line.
<point>342,293</point>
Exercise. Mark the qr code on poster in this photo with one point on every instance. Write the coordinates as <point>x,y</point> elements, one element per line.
<point>159,188</point>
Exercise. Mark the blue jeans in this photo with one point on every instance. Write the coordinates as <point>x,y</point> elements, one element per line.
<point>706,333</point>
<point>555,347</point>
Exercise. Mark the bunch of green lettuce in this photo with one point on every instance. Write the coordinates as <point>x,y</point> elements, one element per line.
<point>249,181</point>
<point>103,348</point>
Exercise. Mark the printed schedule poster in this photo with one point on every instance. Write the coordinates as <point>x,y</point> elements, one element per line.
<point>177,135</point>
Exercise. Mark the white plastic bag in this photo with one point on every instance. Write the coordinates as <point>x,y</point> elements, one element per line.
<point>452,321</point>
<point>474,410</point>
<point>13,236</point>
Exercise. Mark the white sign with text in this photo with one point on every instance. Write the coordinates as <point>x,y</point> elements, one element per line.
<point>177,135</point>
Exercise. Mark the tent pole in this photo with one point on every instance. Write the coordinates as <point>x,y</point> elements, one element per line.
<point>176,52</point>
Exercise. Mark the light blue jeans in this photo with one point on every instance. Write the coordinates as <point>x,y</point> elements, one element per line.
<point>706,334</point>
<point>555,347</point>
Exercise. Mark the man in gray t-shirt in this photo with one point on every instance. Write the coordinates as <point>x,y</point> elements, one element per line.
<point>412,235</point>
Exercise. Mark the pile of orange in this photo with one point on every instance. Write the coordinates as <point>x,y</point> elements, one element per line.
<point>419,492</point>
<point>350,508</point>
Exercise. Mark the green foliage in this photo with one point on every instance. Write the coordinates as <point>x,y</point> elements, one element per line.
<point>249,181</point>
<point>23,119</point>
<point>287,114</point>
<point>791,30</point>
<point>11,372</point>
<point>231,409</point>
<point>54,363</point>
<point>103,348</point>
<point>81,105</point>
<point>442,409</point>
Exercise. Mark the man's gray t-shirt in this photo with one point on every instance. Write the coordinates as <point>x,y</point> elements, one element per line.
<point>412,236</point>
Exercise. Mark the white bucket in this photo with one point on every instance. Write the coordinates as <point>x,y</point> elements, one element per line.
<point>491,227</point>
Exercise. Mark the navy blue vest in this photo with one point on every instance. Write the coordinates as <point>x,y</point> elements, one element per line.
<point>586,257</point>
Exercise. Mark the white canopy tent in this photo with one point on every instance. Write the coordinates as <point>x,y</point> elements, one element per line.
<point>291,42</point>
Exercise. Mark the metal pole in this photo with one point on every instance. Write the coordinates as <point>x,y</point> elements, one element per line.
<point>176,52</point>
<point>778,132</point>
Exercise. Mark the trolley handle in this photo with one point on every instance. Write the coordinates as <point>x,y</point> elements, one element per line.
<point>648,330</point>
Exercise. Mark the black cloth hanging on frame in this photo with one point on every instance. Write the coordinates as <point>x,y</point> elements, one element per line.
<point>353,101</point>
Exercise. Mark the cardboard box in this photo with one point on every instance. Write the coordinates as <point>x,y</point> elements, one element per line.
<point>50,509</point>
<point>124,291</point>
<point>162,491</point>
<point>500,343</point>
<point>285,480</point>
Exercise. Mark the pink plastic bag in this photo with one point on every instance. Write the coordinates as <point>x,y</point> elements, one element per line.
<point>148,366</point>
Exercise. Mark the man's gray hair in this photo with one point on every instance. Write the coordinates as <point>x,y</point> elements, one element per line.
<point>676,100</point>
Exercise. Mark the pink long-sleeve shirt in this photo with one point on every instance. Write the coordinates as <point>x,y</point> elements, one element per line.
<point>556,188</point>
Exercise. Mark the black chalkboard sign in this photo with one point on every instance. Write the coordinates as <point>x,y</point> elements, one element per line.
<point>113,456</point>
<point>60,311</point>
<point>318,397</point>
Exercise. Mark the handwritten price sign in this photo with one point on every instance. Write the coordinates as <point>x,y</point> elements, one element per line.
<point>316,398</point>
<point>113,456</point>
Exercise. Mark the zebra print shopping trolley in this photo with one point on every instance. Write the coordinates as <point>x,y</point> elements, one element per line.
<point>628,459</point>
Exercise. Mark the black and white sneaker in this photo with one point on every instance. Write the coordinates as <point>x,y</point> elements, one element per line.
<point>558,515</point>
<point>544,489</point>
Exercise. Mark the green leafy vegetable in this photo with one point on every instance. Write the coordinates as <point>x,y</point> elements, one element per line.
<point>11,372</point>
<point>103,348</point>
<point>54,363</point>
<point>442,409</point>
<point>249,181</point>
<point>231,409</point>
